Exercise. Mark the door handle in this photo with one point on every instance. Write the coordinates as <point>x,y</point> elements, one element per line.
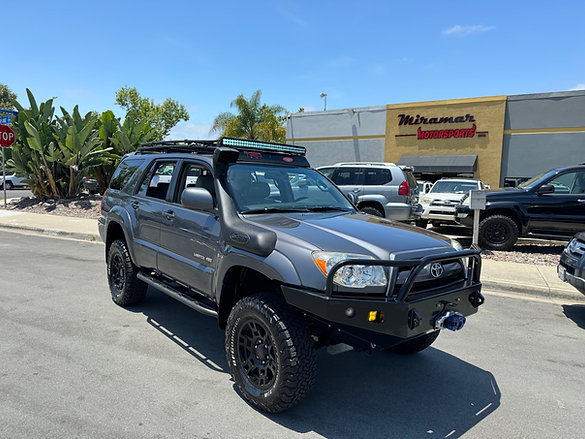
<point>356,190</point>
<point>135,205</point>
<point>169,214</point>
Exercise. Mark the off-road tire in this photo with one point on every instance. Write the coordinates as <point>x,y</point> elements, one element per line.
<point>270,352</point>
<point>371,211</point>
<point>498,232</point>
<point>125,287</point>
<point>416,344</point>
<point>422,223</point>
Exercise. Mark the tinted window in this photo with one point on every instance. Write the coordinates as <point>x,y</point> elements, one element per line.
<point>377,176</point>
<point>327,172</point>
<point>569,183</point>
<point>454,187</point>
<point>348,176</point>
<point>157,181</point>
<point>124,172</point>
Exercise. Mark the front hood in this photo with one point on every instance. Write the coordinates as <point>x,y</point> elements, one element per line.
<point>352,233</point>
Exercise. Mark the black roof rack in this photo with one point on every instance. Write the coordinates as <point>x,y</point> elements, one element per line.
<point>208,146</point>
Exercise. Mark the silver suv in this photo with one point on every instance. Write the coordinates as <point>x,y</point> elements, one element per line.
<point>382,189</point>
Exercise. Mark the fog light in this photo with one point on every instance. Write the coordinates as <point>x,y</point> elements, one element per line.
<point>376,316</point>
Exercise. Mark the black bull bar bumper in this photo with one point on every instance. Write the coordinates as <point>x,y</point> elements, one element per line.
<point>401,310</point>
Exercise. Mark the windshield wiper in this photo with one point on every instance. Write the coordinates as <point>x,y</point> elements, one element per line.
<point>328,208</point>
<point>276,210</point>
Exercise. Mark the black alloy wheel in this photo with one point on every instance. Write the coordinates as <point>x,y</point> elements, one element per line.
<point>270,352</point>
<point>125,287</point>
<point>498,232</point>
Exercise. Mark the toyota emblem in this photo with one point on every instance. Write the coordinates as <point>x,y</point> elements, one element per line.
<point>437,269</point>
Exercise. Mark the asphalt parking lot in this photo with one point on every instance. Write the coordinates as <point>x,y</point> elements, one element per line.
<point>76,365</point>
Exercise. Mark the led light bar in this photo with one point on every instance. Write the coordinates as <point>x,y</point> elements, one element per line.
<point>264,146</point>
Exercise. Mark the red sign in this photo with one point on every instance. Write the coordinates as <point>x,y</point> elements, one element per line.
<point>7,136</point>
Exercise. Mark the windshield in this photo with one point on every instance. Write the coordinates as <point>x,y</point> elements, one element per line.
<point>535,181</point>
<point>454,187</point>
<point>269,188</point>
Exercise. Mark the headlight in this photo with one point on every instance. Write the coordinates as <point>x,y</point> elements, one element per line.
<point>466,201</point>
<point>425,200</point>
<point>353,276</point>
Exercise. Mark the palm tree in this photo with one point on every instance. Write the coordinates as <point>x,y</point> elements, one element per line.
<point>254,121</point>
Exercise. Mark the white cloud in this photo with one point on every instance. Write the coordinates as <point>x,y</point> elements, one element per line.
<point>189,130</point>
<point>580,86</point>
<point>463,31</point>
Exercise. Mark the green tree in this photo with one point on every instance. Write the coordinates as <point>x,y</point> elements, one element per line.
<point>254,120</point>
<point>143,111</point>
<point>80,145</point>
<point>7,98</point>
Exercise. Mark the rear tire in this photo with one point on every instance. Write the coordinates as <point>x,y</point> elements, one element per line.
<point>371,211</point>
<point>125,287</point>
<point>498,232</point>
<point>416,344</point>
<point>270,352</point>
<point>9,185</point>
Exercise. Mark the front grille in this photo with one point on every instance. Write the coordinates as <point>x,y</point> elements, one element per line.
<point>425,284</point>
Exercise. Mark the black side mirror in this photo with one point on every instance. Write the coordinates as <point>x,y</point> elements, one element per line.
<point>197,198</point>
<point>545,189</point>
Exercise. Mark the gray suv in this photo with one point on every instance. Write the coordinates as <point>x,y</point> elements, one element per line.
<point>382,189</point>
<point>248,233</point>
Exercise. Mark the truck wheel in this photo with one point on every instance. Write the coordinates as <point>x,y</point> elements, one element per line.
<point>422,223</point>
<point>125,287</point>
<point>416,344</point>
<point>498,232</point>
<point>371,211</point>
<point>270,352</point>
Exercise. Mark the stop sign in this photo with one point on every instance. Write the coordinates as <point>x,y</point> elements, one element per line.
<point>7,136</point>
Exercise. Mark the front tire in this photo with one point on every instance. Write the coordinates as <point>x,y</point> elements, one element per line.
<point>498,232</point>
<point>9,185</point>
<point>422,223</point>
<point>416,344</point>
<point>125,287</point>
<point>270,352</point>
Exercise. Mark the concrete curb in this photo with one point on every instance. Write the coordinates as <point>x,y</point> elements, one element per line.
<point>53,232</point>
<point>533,291</point>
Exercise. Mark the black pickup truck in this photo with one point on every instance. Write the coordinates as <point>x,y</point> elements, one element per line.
<point>550,205</point>
<point>248,233</point>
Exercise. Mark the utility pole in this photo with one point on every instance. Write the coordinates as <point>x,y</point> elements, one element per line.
<point>324,97</point>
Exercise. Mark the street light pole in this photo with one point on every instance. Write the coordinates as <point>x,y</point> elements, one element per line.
<point>324,97</point>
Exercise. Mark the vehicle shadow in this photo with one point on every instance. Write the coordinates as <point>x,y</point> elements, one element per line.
<point>357,394</point>
<point>195,333</point>
<point>384,395</point>
<point>576,313</point>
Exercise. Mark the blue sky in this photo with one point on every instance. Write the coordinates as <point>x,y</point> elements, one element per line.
<point>203,54</point>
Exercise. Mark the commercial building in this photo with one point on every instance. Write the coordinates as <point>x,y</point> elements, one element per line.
<point>500,139</point>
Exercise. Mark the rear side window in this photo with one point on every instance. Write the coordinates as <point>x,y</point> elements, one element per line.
<point>124,173</point>
<point>348,176</point>
<point>157,181</point>
<point>376,177</point>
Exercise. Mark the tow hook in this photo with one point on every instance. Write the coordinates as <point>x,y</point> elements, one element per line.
<point>450,320</point>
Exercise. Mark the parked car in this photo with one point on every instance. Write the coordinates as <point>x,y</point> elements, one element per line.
<point>424,187</point>
<point>382,189</point>
<point>550,205</point>
<point>571,267</point>
<point>438,206</point>
<point>90,185</point>
<point>284,268</point>
<point>12,181</point>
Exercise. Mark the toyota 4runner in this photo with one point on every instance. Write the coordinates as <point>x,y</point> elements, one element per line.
<point>247,232</point>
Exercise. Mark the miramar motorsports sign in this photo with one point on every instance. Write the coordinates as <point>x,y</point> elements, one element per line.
<point>447,133</point>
